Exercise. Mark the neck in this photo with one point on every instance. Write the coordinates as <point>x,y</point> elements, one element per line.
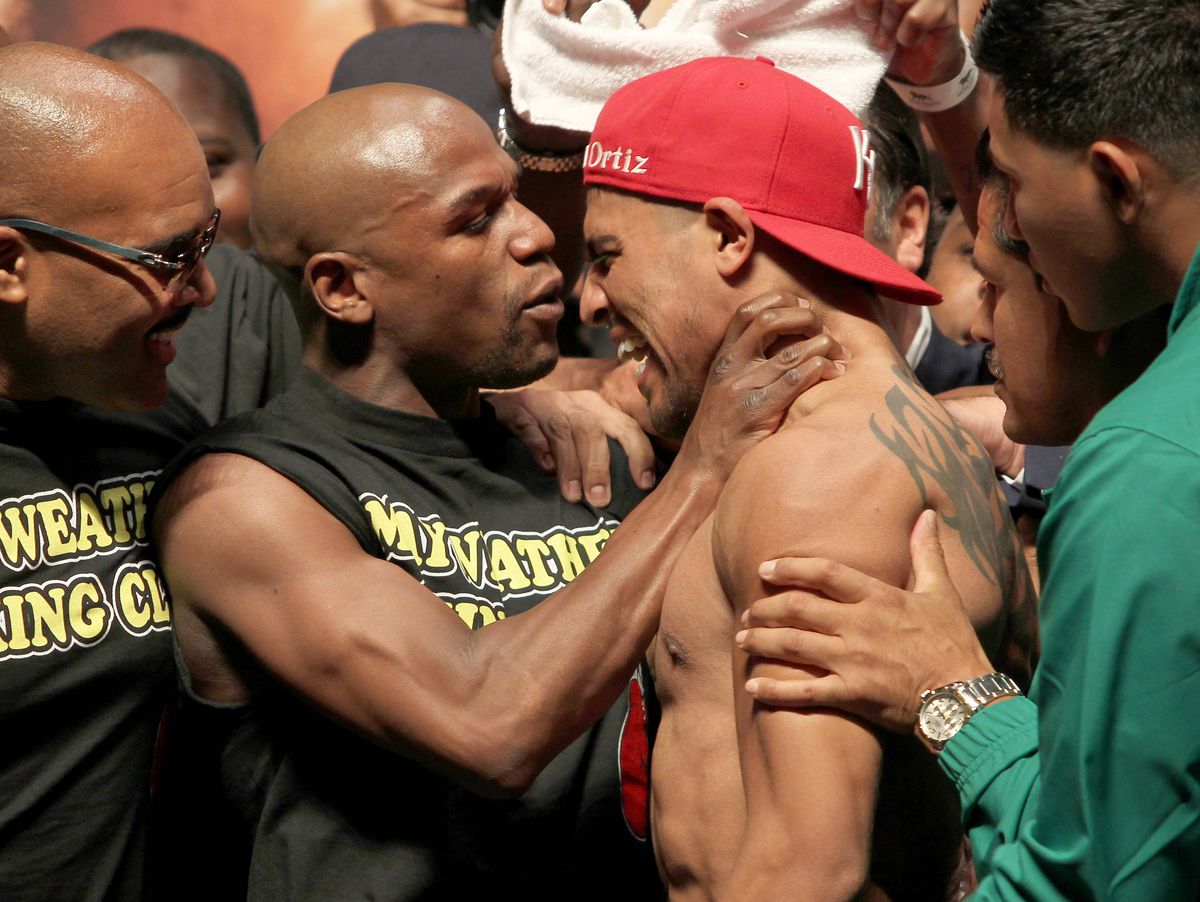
<point>381,384</point>
<point>901,321</point>
<point>1173,242</point>
<point>859,328</point>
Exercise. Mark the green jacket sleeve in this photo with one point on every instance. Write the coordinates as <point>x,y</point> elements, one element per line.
<point>1091,789</point>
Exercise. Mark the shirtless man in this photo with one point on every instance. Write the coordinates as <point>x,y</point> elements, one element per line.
<point>750,803</point>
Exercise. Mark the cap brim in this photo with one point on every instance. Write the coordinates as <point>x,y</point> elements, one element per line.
<point>849,254</point>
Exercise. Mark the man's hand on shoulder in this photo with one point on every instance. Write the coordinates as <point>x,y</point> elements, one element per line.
<point>568,434</point>
<point>881,646</point>
<point>775,349</point>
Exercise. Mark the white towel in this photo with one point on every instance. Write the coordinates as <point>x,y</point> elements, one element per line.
<point>563,71</point>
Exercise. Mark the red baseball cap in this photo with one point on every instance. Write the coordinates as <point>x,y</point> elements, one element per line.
<point>798,161</point>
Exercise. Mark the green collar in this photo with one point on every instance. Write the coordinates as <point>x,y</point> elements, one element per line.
<point>1188,298</point>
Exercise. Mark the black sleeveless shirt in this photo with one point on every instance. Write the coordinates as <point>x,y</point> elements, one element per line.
<point>463,507</point>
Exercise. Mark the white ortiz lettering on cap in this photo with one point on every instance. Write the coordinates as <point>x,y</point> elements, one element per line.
<point>623,159</point>
<point>864,158</point>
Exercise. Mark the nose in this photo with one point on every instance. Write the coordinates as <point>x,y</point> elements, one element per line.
<point>981,326</point>
<point>531,237</point>
<point>594,308</point>
<point>200,289</point>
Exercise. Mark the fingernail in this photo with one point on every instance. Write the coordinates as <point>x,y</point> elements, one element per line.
<point>752,686</point>
<point>574,490</point>
<point>745,618</point>
<point>647,479</point>
<point>839,366</point>
<point>740,637</point>
<point>766,569</point>
<point>598,494</point>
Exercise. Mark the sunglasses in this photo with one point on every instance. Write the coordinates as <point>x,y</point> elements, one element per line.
<point>177,267</point>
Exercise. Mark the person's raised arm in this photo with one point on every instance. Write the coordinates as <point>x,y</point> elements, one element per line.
<point>930,52</point>
<point>363,642</point>
<point>553,192</point>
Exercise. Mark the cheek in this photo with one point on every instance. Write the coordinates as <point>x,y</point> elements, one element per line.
<point>231,190</point>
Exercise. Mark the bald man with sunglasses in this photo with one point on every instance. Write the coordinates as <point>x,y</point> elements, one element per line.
<point>106,218</point>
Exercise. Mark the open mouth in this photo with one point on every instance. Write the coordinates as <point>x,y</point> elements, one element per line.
<point>634,348</point>
<point>546,304</point>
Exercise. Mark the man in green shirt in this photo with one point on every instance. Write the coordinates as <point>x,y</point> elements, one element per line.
<point>1091,786</point>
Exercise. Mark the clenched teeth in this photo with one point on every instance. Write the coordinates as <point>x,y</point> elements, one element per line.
<point>632,349</point>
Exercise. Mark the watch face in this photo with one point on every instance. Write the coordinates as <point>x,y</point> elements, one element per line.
<point>942,716</point>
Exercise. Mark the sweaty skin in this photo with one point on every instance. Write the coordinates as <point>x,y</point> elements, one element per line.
<point>748,804</point>
<point>860,458</point>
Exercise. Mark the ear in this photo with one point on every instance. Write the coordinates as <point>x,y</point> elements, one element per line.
<point>14,265</point>
<point>1121,179</point>
<point>335,279</point>
<point>910,228</point>
<point>732,233</point>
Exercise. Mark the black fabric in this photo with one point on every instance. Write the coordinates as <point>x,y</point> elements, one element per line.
<point>448,58</point>
<point>946,364</point>
<point>83,687</point>
<point>85,665</point>
<point>242,349</point>
<point>334,817</point>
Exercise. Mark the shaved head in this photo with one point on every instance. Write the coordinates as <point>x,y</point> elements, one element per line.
<point>390,214</point>
<point>88,146</point>
<point>64,112</point>
<point>340,169</point>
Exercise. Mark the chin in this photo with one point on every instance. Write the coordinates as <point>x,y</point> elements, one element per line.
<point>1031,432</point>
<point>673,419</point>
<point>519,373</point>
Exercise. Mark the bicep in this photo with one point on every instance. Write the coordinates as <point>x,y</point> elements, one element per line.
<point>255,555</point>
<point>810,776</point>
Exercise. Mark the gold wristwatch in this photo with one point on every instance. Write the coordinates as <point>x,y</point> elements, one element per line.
<point>945,710</point>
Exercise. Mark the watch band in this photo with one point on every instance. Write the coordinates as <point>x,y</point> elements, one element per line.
<point>944,711</point>
<point>545,161</point>
<point>981,690</point>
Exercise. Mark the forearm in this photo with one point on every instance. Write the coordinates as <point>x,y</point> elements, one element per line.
<point>955,133</point>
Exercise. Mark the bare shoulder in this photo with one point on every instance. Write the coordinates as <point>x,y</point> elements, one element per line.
<point>228,525</point>
<point>848,481</point>
<point>820,487</point>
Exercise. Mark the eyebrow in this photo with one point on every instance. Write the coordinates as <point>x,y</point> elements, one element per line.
<point>473,198</point>
<point>597,242</point>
